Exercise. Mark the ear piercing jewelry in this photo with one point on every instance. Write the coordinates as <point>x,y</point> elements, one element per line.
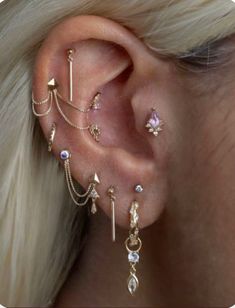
<point>154,123</point>
<point>133,245</point>
<point>70,60</point>
<point>111,194</point>
<point>91,192</point>
<point>51,137</point>
<point>93,129</point>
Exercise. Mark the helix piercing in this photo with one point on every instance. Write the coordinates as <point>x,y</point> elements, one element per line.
<point>111,194</point>
<point>154,123</point>
<point>70,53</point>
<point>51,137</point>
<point>91,192</point>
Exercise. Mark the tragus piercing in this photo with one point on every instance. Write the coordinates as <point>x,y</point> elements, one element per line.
<point>154,123</point>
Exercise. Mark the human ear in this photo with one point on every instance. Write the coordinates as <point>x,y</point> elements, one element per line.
<point>111,60</point>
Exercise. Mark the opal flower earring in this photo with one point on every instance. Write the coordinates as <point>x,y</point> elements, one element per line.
<point>154,123</point>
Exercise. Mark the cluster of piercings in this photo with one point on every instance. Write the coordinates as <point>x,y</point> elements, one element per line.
<point>153,125</point>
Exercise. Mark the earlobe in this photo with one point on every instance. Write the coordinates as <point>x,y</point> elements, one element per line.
<point>93,75</point>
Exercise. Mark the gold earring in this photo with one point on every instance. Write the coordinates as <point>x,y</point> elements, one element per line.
<point>133,245</point>
<point>51,137</point>
<point>154,123</point>
<point>91,192</point>
<point>111,194</point>
<point>70,53</point>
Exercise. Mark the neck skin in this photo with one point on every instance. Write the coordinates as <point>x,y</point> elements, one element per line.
<point>183,261</point>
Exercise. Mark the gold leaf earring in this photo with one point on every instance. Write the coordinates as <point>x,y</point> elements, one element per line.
<point>91,192</point>
<point>51,137</point>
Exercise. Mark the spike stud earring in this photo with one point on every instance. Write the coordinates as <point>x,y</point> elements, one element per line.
<point>91,192</point>
<point>112,197</point>
<point>133,245</point>
<point>154,123</point>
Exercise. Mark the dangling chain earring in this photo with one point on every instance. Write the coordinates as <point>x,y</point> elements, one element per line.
<point>91,192</point>
<point>133,245</point>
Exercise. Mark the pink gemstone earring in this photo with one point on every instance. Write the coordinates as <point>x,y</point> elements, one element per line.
<point>154,123</point>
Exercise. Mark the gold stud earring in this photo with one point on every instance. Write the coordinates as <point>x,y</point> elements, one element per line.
<point>91,192</point>
<point>112,197</point>
<point>154,123</point>
<point>51,137</point>
<point>133,245</point>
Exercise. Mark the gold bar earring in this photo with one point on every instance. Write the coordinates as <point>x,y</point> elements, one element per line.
<point>70,53</point>
<point>111,194</point>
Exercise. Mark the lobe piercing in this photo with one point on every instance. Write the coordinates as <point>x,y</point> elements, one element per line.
<point>133,245</point>
<point>154,123</point>
<point>111,194</point>
<point>51,137</point>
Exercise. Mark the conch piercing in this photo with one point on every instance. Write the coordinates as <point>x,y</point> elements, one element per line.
<point>51,137</point>
<point>154,123</point>
<point>133,245</point>
<point>91,192</point>
<point>111,194</point>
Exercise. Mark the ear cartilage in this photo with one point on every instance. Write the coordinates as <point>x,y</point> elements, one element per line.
<point>112,197</point>
<point>91,192</point>
<point>70,53</point>
<point>154,123</point>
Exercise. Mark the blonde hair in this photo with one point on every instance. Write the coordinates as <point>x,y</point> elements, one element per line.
<point>38,223</point>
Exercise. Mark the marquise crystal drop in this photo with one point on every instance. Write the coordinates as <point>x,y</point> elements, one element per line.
<point>132,284</point>
<point>93,208</point>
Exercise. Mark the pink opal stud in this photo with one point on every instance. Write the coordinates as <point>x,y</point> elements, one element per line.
<point>154,123</point>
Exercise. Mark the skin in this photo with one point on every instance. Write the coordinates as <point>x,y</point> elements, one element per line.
<point>187,207</point>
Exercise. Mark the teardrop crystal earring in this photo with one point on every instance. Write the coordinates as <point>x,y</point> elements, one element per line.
<point>91,192</point>
<point>154,123</point>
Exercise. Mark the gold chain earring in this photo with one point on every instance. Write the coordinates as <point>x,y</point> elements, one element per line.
<point>91,192</point>
<point>133,245</point>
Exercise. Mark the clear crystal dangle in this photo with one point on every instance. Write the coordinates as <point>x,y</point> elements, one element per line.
<point>133,246</point>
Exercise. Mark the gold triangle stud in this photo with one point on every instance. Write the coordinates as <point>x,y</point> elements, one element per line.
<point>96,179</point>
<point>52,84</point>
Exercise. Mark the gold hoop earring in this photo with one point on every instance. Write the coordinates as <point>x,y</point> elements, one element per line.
<point>51,137</point>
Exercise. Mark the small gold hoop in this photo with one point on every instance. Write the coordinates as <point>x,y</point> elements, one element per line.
<point>139,245</point>
<point>51,137</point>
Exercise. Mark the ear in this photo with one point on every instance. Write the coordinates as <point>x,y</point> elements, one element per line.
<point>111,60</point>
